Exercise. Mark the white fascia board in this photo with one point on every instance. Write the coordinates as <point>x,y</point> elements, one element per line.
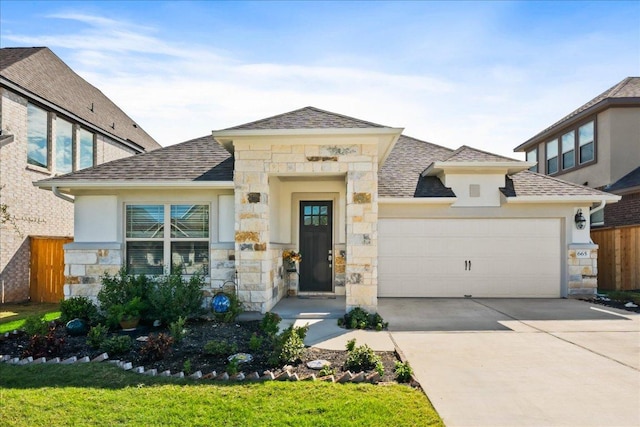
<point>121,184</point>
<point>562,199</point>
<point>418,200</point>
<point>477,167</point>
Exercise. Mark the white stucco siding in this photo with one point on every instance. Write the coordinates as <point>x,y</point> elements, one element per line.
<point>96,219</point>
<point>470,257</point>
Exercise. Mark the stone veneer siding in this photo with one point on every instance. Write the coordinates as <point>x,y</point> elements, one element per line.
<point>583,272</point>
<point>37,212</point>
<point>86,263</point>
<point>258,263</point>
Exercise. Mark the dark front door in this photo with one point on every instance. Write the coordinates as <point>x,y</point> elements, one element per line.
<point>316,241</point>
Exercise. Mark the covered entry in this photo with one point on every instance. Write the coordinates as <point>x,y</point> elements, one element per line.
<point>469,257</point>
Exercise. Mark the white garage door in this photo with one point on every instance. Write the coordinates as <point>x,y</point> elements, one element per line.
<point>469,257</point>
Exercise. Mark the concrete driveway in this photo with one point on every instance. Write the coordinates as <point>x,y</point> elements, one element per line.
<point>517,362</point>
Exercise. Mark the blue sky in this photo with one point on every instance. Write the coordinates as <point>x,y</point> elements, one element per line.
<point>484,74</point>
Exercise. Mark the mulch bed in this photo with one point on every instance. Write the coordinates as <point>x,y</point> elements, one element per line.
<point>199,332</point>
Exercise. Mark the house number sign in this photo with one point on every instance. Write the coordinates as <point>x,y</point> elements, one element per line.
<point>584,253</point>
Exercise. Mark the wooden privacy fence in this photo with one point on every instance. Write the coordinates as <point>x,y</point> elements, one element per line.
<point>618,257</point>
<point>47,268</point>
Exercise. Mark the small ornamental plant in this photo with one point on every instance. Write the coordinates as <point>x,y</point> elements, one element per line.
<point>292,256</point>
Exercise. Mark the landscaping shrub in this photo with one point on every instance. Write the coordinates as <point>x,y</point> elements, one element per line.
<point>80,308</point>
<point>117,345</point>
<point>232,367</point>
<point>255,342</point>
<point>220,348</point>
<point>156,347</point>
<point>97,335</point>
<point>177,330</point>
<point>362,358</point>
<point>120,289</point>
<point>359,318</point>
<point>289,345</point>
<point>173,297</point>
<point>35,325</point>
<point>269,324</point>
<point>41,345</point>
<point>403,372</point>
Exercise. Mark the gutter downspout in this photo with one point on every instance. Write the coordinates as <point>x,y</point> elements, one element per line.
<point>601,206</point>
<point>57,193</point>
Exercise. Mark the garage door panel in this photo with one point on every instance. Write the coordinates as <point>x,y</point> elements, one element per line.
<point>509,257</point>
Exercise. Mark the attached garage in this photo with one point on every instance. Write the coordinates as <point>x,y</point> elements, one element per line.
<point>519,257</point>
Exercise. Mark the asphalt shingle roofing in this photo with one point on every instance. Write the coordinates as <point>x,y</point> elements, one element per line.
<point>203,159</point>
<point>39,71</point>
<point>627,91</point>
<point>200,159</point>
<point>307,118</point>
<point>632,179</point>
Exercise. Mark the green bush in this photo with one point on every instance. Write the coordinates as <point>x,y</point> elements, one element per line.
<point>359,318</point>
<point>363,358</point>
<point>173,297</point>
<point>220,348</point>
<point>232,367</point>
<point>255,342</point>
<point>35,325</point>
<point>403,372</point>
<point>43,345</point>
<point>120,289</point>
<point>177,330</point>
<point>289,345</point>
<point>117,345</point>
<point>97,335</point>
<point>326,371</point>
<point>269,324</point>
<point>80,308</point>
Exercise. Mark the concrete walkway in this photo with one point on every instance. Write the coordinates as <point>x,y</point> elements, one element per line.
<point>502,362</point>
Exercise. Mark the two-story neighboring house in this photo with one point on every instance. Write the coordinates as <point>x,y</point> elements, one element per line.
<point>52,122</point>
<point>598,145</point>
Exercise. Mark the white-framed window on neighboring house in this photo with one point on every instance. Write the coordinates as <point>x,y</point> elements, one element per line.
<point>37,136</point>
<point>568,150</point>
<point>586,142</point>
<point>552,156</point>
<point>597,218</point>
<point>163,237</point>
<point>64,146</point>
<point>532,156</point>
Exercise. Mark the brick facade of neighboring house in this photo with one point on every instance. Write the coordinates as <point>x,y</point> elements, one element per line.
<point>36,76</point>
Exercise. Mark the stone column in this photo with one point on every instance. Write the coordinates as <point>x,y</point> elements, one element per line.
<point>582,260</point>
<point>361,272</point>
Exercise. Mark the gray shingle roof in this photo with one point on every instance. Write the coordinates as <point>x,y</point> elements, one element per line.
<point>528,183</point>
<point>400,174</point>
<point>307,118</point>
<point>632,179</point>
<point>626,92</point>
<point>469,154</point>
<point>39,71</point>
<point>200,159</point>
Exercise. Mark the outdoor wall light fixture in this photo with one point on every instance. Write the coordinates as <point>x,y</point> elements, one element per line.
<point>580,220</point>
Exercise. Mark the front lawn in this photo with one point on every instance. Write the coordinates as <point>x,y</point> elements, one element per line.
<point>101,394</point>
<point>12,315</point>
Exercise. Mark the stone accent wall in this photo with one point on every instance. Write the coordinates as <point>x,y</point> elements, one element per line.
<point>258,264</point>
<point>583,269</point>
<point>85,263</point>
<point>223,270</point>
<point>36,212</point>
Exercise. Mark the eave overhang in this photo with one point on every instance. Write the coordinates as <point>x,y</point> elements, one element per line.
<point>71,187</point>
<point>502,168</point>
<point>563,199</point>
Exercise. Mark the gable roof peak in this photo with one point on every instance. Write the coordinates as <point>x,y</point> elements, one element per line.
<point>307,118</point>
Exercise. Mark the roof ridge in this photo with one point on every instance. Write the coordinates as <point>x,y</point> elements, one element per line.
<point>466,147</point>
<point>619,86</point>
<point>427,142</point>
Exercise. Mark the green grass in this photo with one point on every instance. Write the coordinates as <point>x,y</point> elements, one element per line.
<point>12,315</point>
<point>101,394</point>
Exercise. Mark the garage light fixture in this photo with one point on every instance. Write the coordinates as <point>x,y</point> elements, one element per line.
<point>580,220</point>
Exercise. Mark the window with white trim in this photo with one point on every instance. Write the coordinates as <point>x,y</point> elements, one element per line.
<point>163,237</point>
<point>532,156</point>
<point>552,156</point>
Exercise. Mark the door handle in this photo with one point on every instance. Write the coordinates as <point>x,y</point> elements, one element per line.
<point>466,265</point>
<point>469,265</point>
<point>329,258</point>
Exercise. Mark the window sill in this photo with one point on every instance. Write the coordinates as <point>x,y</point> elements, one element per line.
<point>38,169</point>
